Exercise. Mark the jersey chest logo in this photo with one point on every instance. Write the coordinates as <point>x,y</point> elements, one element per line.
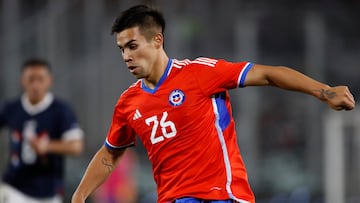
<point>176,97</point>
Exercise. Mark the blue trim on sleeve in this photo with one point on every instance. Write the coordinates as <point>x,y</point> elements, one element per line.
<point>244,73</point>
<point>107,145</point>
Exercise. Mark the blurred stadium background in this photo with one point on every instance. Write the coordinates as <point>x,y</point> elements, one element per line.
<point>296,150</point>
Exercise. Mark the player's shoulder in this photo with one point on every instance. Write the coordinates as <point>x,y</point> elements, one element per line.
<point>132,90</point>
<point>205,61</point>
<point>60,106</point>
<point>60,102</point>
<point>195,63</point>
<point>10,104</point>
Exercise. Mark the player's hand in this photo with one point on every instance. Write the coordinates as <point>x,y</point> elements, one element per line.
<point>40,144</point>
<point>339,98</point>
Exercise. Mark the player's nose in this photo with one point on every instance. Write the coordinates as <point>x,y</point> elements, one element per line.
<point>126,56</point>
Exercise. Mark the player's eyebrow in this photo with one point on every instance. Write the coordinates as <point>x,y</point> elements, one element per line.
<point>127,44</point>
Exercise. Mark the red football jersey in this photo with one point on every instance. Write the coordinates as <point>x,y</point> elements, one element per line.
<point>187,128</point>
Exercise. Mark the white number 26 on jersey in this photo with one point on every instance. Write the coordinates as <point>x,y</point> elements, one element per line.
<point>165,126</point>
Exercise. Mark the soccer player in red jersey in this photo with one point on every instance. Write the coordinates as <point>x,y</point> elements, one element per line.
<point>180,110</point>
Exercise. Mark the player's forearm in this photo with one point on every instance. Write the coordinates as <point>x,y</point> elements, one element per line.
<point>338,97</point>
<point>290,79</point>
<point>73,147</point>
<point>100,167</point>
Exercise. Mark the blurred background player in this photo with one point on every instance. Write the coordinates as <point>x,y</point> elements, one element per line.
<point>181,111</point>
<point>43,129</point>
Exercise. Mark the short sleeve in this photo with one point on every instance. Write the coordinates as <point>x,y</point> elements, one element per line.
<point>219,75</point>
<point>120,134</point>
<point>70,127</point>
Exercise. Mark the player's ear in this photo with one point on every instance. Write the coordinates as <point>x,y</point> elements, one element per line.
<point>51,80</point>
<point>159,40</point>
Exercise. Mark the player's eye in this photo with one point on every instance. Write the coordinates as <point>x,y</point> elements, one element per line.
<point>132,46</point>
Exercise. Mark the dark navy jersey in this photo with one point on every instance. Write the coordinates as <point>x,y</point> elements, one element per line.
<point>32,174</point>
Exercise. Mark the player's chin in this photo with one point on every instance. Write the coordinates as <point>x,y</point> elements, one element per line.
<point>135,72</point>
<point>138,76</point>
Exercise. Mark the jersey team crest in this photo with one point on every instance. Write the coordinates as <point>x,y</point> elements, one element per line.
<point>176,97</point>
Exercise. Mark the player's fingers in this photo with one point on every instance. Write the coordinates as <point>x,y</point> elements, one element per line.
<point>348,104</point>
<point>351,100</point>
<point>348,94</point>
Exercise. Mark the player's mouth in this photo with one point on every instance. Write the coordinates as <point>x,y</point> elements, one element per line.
<point>132,68</point>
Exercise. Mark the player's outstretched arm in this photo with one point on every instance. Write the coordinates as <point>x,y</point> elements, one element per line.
<point>338,97</point>
<point>100,167</point>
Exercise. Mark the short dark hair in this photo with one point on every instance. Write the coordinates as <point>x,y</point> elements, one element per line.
<point>143,16</point>
<point>35,62</point>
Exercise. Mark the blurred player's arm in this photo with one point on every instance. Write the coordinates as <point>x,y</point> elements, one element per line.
<point>72,143</point>
<point>100,167</point>
<point>337,97</point>
<point>64,147</point>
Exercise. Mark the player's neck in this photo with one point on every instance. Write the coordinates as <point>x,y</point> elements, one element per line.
<point>158,71</point>
<point>36,100</point>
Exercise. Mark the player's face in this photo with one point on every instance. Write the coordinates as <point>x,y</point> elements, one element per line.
<point>36,81</point>
<point>138,53</point>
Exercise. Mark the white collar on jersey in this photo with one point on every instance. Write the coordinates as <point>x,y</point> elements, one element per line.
<point>39,107</point>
